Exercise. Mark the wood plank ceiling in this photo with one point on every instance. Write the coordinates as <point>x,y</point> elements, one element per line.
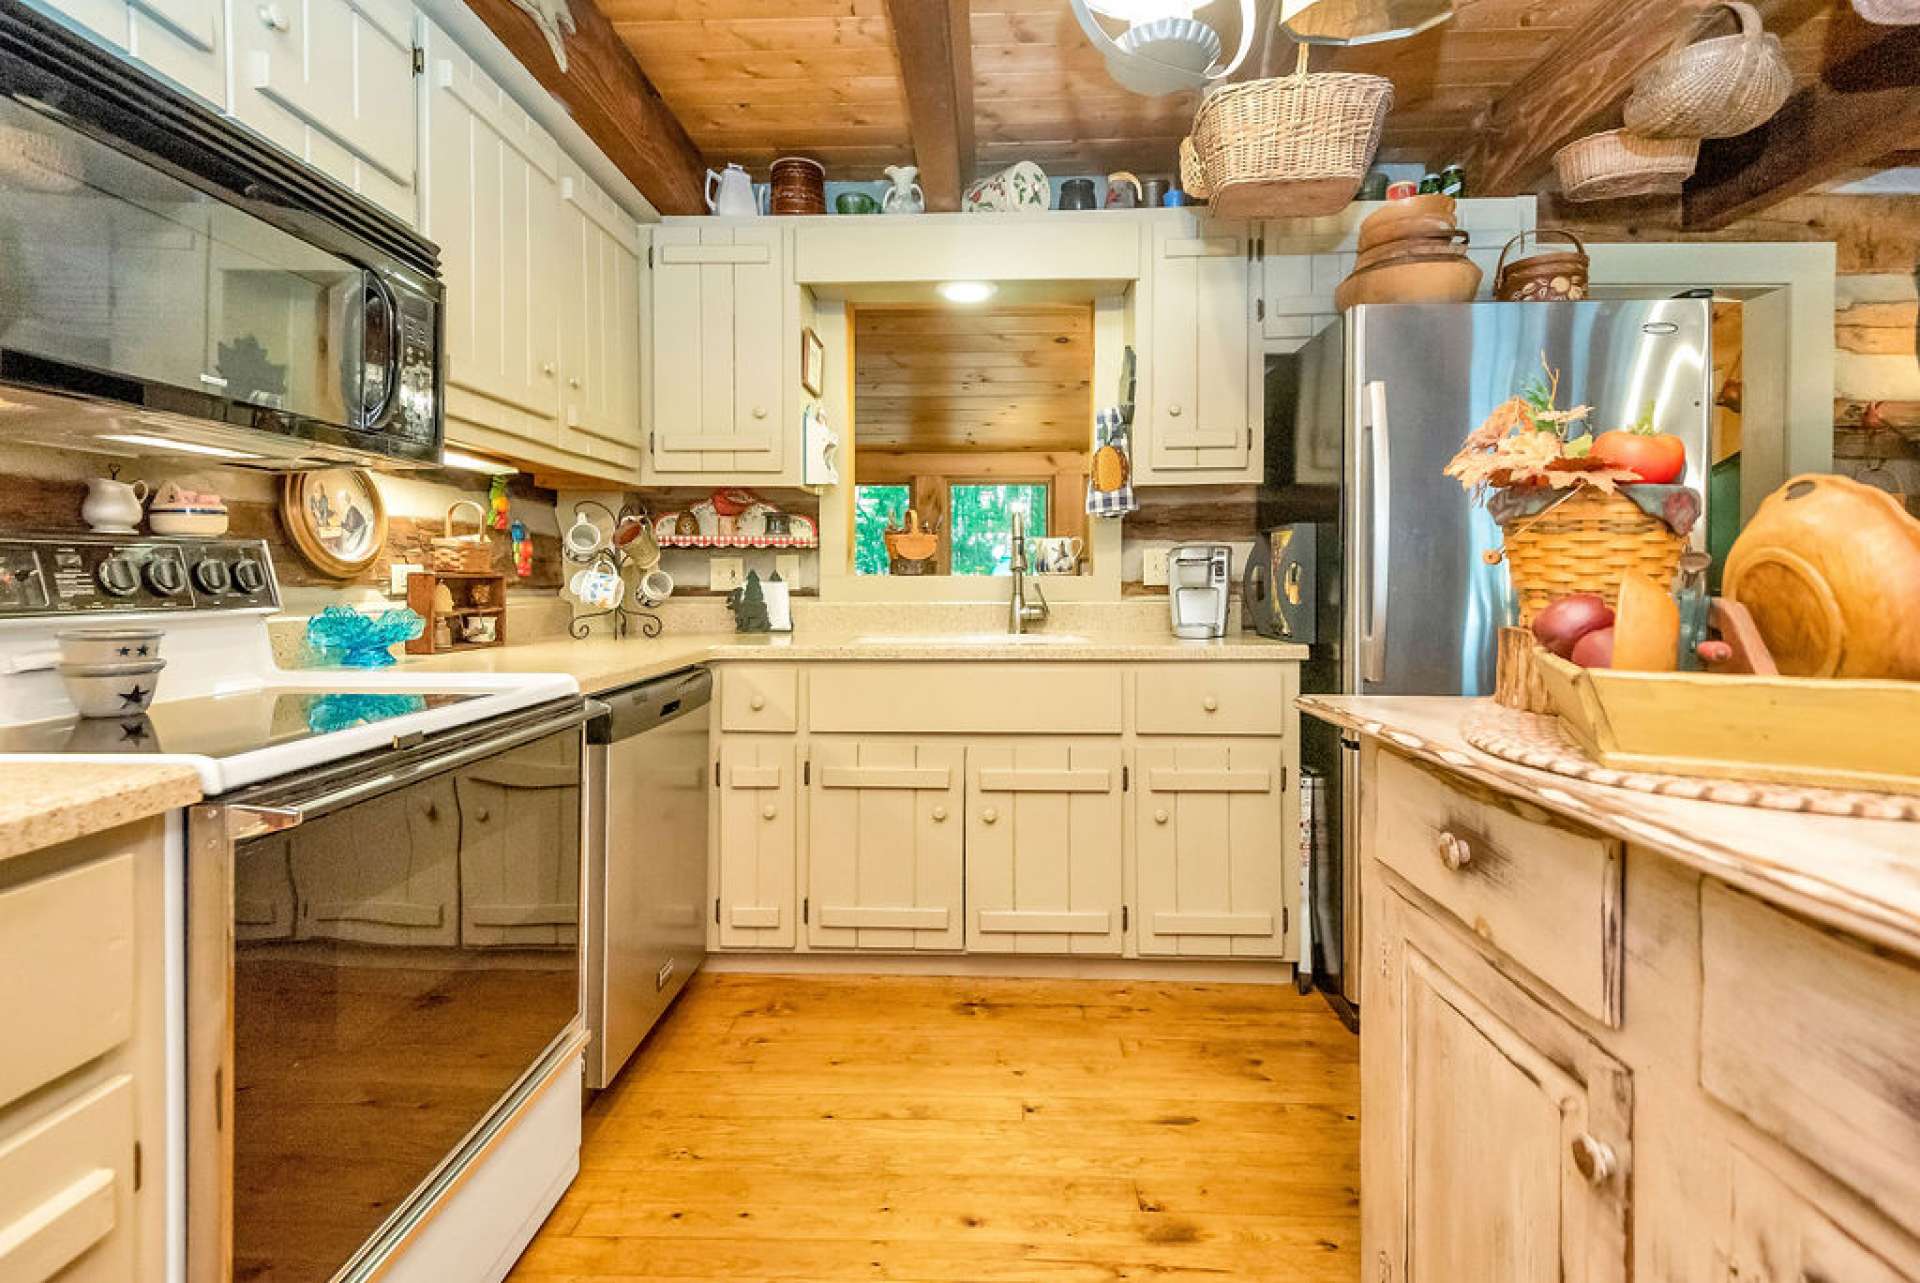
<point>755,79</point>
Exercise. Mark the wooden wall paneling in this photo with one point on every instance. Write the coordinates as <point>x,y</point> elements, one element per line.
<point>1870,233</point>
<point>612,98</point>
<point>934,43</point>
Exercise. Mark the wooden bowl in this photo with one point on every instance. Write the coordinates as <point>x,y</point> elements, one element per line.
<point>1447,278</point>
<point>1451,244</point>
<point>1414,216</point>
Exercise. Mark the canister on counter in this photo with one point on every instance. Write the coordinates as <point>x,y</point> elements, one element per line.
<point>1453,181</point>
<point>1402,191</point>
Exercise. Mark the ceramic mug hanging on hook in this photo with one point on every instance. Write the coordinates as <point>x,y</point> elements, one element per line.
<point>583,538</point>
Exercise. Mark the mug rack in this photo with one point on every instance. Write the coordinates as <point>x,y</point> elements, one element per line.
<point>626,616</point>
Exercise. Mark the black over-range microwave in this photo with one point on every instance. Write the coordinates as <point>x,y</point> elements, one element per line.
<point>172,284</point>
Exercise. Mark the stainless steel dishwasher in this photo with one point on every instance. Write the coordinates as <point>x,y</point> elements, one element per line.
<point>646,859</point>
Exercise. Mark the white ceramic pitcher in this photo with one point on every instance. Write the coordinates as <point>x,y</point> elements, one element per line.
<point>730,194</point>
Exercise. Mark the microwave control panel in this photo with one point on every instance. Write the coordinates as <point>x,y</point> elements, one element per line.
<point>72,575</point>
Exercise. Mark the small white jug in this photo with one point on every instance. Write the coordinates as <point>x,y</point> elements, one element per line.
<point>730,194</point>
<point>113,507</point>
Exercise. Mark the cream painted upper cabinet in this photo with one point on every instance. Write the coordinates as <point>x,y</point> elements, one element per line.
<point>1197,415</point>
<point>599,323</point>
<point>183,40</point>
<point>1212,828</point>
<point>332,81</point>
<point>716,324</point>
<point>884,844</point>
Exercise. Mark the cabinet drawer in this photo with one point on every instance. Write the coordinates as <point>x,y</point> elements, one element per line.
<point>1545,894</point>
<point>1810,1036</point>
<point>66,1192</point>
<point>994,699</point>
<point>1214,699</point>
<point>760,697</point>
<point>66,972</point>
<point>1778,1235</point>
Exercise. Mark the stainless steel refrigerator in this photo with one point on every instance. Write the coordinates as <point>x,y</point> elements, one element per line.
<point>1360,424</point>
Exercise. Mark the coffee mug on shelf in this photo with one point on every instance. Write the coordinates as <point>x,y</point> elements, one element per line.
<point>655,587</point>
<point>1058,554</point>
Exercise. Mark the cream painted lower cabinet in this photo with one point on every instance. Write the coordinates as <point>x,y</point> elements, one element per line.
<point>1007,807</point>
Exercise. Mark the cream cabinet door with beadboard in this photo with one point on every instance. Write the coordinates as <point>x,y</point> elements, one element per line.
<point>885,834</point>
<point>1044,846</point>
<point>716,324</point>
<point>183,40</point>
<point>332,81</point>
<point>1198,412</point>
<point>1213,833</point>
<point>599,324</point>
<point>518,827</point>
<point>755,837</point>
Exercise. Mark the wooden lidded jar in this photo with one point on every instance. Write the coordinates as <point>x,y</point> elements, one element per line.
<point>799,186</point>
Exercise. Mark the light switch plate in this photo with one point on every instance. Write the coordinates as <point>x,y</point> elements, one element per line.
<point>1153,567</point>
<point>724,574</point>
<point>787,566</point>
<point>399,570</point>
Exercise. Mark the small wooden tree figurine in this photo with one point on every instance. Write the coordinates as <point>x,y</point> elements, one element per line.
<point>749,606</point>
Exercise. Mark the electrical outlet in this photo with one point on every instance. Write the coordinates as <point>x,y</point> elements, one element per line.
<point>1153,567</point>
<point>724,574</point>
<point>787,566</point>
<point>398,572</point>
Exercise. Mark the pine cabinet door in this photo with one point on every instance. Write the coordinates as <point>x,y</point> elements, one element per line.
<point>332,82</point>
<point>716,326</point>
<point>884,835</point>
<point>1199,405</point>
<point>493,206</point>
<point>600,320</point>
<point>183,40</point>
<point>1496,1135</point>
<point>1044,847</point>
<point>1215,848</point>
<point>757,826</point>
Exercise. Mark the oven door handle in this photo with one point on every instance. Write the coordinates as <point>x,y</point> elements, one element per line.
<point>247,820</point>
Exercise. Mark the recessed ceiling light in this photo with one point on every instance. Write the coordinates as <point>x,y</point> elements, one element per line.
<point>177,446</point>
<point>474,463</point>
<point>967,291</point>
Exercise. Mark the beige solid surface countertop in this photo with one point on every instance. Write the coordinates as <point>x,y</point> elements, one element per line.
<point>1861,876</point>
<point>50,802</point>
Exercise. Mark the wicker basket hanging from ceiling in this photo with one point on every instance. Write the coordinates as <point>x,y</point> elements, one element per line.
<point>1889,13</point>
<point>1715,88</point>
<point>1616,164</point>
<point>1289,146</point>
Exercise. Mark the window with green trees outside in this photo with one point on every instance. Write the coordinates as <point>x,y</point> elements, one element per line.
<point>873,508</point>
<point>978,528</point>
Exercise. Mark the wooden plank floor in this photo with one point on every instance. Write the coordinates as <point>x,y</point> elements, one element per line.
<point>964,1130</point>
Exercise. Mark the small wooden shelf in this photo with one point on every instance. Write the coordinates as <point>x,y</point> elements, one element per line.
<point>468,590</point>
<point>782,543</point>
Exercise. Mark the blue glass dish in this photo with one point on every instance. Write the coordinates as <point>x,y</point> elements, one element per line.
<point>343,636</point>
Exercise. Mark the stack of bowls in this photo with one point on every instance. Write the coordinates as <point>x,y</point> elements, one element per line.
<point>1411,251</point>
<point>110,672</point>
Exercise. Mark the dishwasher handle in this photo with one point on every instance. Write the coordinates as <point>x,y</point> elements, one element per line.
<point>634,710</point>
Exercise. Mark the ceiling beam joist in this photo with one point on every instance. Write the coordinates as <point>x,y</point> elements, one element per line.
<point>611,98</point>
<point>934,39</point>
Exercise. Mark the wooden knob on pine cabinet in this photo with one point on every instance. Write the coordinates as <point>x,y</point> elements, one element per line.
<point>759,411</point>
<point>1454,852</point>
<point>989,816</point>
<point>768,812</point>
<point>1593,1158</point>
<point>1160,817</point>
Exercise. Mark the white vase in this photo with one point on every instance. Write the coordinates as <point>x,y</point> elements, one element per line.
<point>905,196</point>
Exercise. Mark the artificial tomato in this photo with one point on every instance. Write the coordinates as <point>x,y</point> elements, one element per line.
<point>1658,457</point>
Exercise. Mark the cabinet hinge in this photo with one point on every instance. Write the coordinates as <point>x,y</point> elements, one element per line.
<point>716,772</point>
<point>1259,309</point>
<point>1126,778</point>
<point>138,1167</point>
<point>716,911</point>
<point>649,256</point>
<point>806,772</point>
<point>1126,917</point>
<point>1249,436</point>
<point>806,910</point>
<point>419,61</point>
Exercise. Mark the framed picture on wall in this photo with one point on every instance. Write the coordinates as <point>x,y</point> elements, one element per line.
<point>813,362</point>
<point>335,519</point>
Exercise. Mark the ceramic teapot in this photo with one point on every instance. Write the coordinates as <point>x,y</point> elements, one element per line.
<point>730,194</point>
<point>112,506</point>
<point>905,196</point>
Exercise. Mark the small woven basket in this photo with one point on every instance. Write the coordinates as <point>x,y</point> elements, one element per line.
<point>461,554</point>
<point>1584,544</point>
<point>1716,88</point>
<point>1545,276</point>
<point>1889,13</point>
<point>1289,146</point>
<point>1617,163</point>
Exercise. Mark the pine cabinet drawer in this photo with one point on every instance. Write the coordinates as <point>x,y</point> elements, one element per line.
<point>1545,894</point>
<point>1810,1036</point>
<point>1214,699</point>
<point>760,697</point>
<point>66,1192</point>
<point>66,973</point>
<point>989,698</point>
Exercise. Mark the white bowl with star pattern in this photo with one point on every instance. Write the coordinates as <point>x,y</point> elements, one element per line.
<point>110,645</point>
<point>112,690</point>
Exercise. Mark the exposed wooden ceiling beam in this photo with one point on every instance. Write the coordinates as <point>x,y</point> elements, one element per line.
<point>1866,104</point>
<point>935,43</point>
<point>613,100</point>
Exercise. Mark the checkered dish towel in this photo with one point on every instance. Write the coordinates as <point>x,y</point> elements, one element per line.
<point>1111,429</point>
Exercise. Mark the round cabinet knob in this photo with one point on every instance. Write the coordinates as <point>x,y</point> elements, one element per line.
<point>164,577</point>
<point>547,369</point>
<point>211,577</point>
<point>117,577</point>
<point>989,816</point>
<point>768,812</point>
<point>271,18</point>
<point>1211,704</point>
<point>573,383</point>
<point>1160,817</point>
<point>483,815</point>
<point>1593,1159</point>
<point>757,702</point>
<point>248,577</point>
<point>1454,852</point>
<point>759,411</point>
<point>1173,412</point>
<point>939,814</point>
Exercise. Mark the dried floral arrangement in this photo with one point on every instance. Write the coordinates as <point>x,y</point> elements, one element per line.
<point>1528,442</point>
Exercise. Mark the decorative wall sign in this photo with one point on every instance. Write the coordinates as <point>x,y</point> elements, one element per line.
<point>556,23</point>
<point>335,519</point>
<point>813,362</point>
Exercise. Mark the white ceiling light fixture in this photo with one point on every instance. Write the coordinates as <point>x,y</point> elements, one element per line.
<point>1164,49</point>
<point>966,291</point>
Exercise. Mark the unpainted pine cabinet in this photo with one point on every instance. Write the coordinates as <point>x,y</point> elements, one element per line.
<point>183,40</point>
<point>885,834</point>
<point>756,826</point>
<point>1044,847</point>
<point>332,81</point>
<point>1210,825</point>
<point>1198,412</point>
<point>716,320</point>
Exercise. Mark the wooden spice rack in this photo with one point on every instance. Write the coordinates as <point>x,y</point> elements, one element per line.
<point>473,595</point>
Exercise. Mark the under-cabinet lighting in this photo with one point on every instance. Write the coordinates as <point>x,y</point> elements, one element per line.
<point>967,291</point>
<point>474,463</point>
<point>180,447</point>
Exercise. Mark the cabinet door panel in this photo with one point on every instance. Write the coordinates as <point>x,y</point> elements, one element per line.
<point>183,40</point>
<point>884,845</point>
<point>1044,847</point>
<point>1199,405</point>
<point>599,339</point>
<point>1213,846</point>
<point>756,843</point>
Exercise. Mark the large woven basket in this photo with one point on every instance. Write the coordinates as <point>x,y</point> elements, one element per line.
<point>1193,179</point>
<point>1584,544</point>
<point>1617,163</point>
<point>1889,13</point>
<point>1716,88</point>
<point>1289,146</point>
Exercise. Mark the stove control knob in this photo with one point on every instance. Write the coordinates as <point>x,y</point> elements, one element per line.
<point>117,577</point>
<point>211,577</point>
<point>248,577</point>
<point>164,577</point>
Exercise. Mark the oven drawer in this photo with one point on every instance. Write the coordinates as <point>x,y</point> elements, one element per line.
<point>66,973</point>
<point>1545,894</point>
<point>66,1192</point>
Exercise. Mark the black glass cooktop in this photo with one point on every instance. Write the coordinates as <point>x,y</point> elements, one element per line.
<point>224,725</point>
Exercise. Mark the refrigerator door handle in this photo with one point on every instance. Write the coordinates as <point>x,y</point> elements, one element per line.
<point>1374,539</point>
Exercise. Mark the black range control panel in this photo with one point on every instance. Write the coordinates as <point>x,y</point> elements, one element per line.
<point>102,574</point>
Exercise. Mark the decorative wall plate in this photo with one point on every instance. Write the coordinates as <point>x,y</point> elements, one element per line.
<point>335,519</point>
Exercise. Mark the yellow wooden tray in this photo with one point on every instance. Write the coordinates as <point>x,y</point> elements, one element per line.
<point>1783,730</point>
